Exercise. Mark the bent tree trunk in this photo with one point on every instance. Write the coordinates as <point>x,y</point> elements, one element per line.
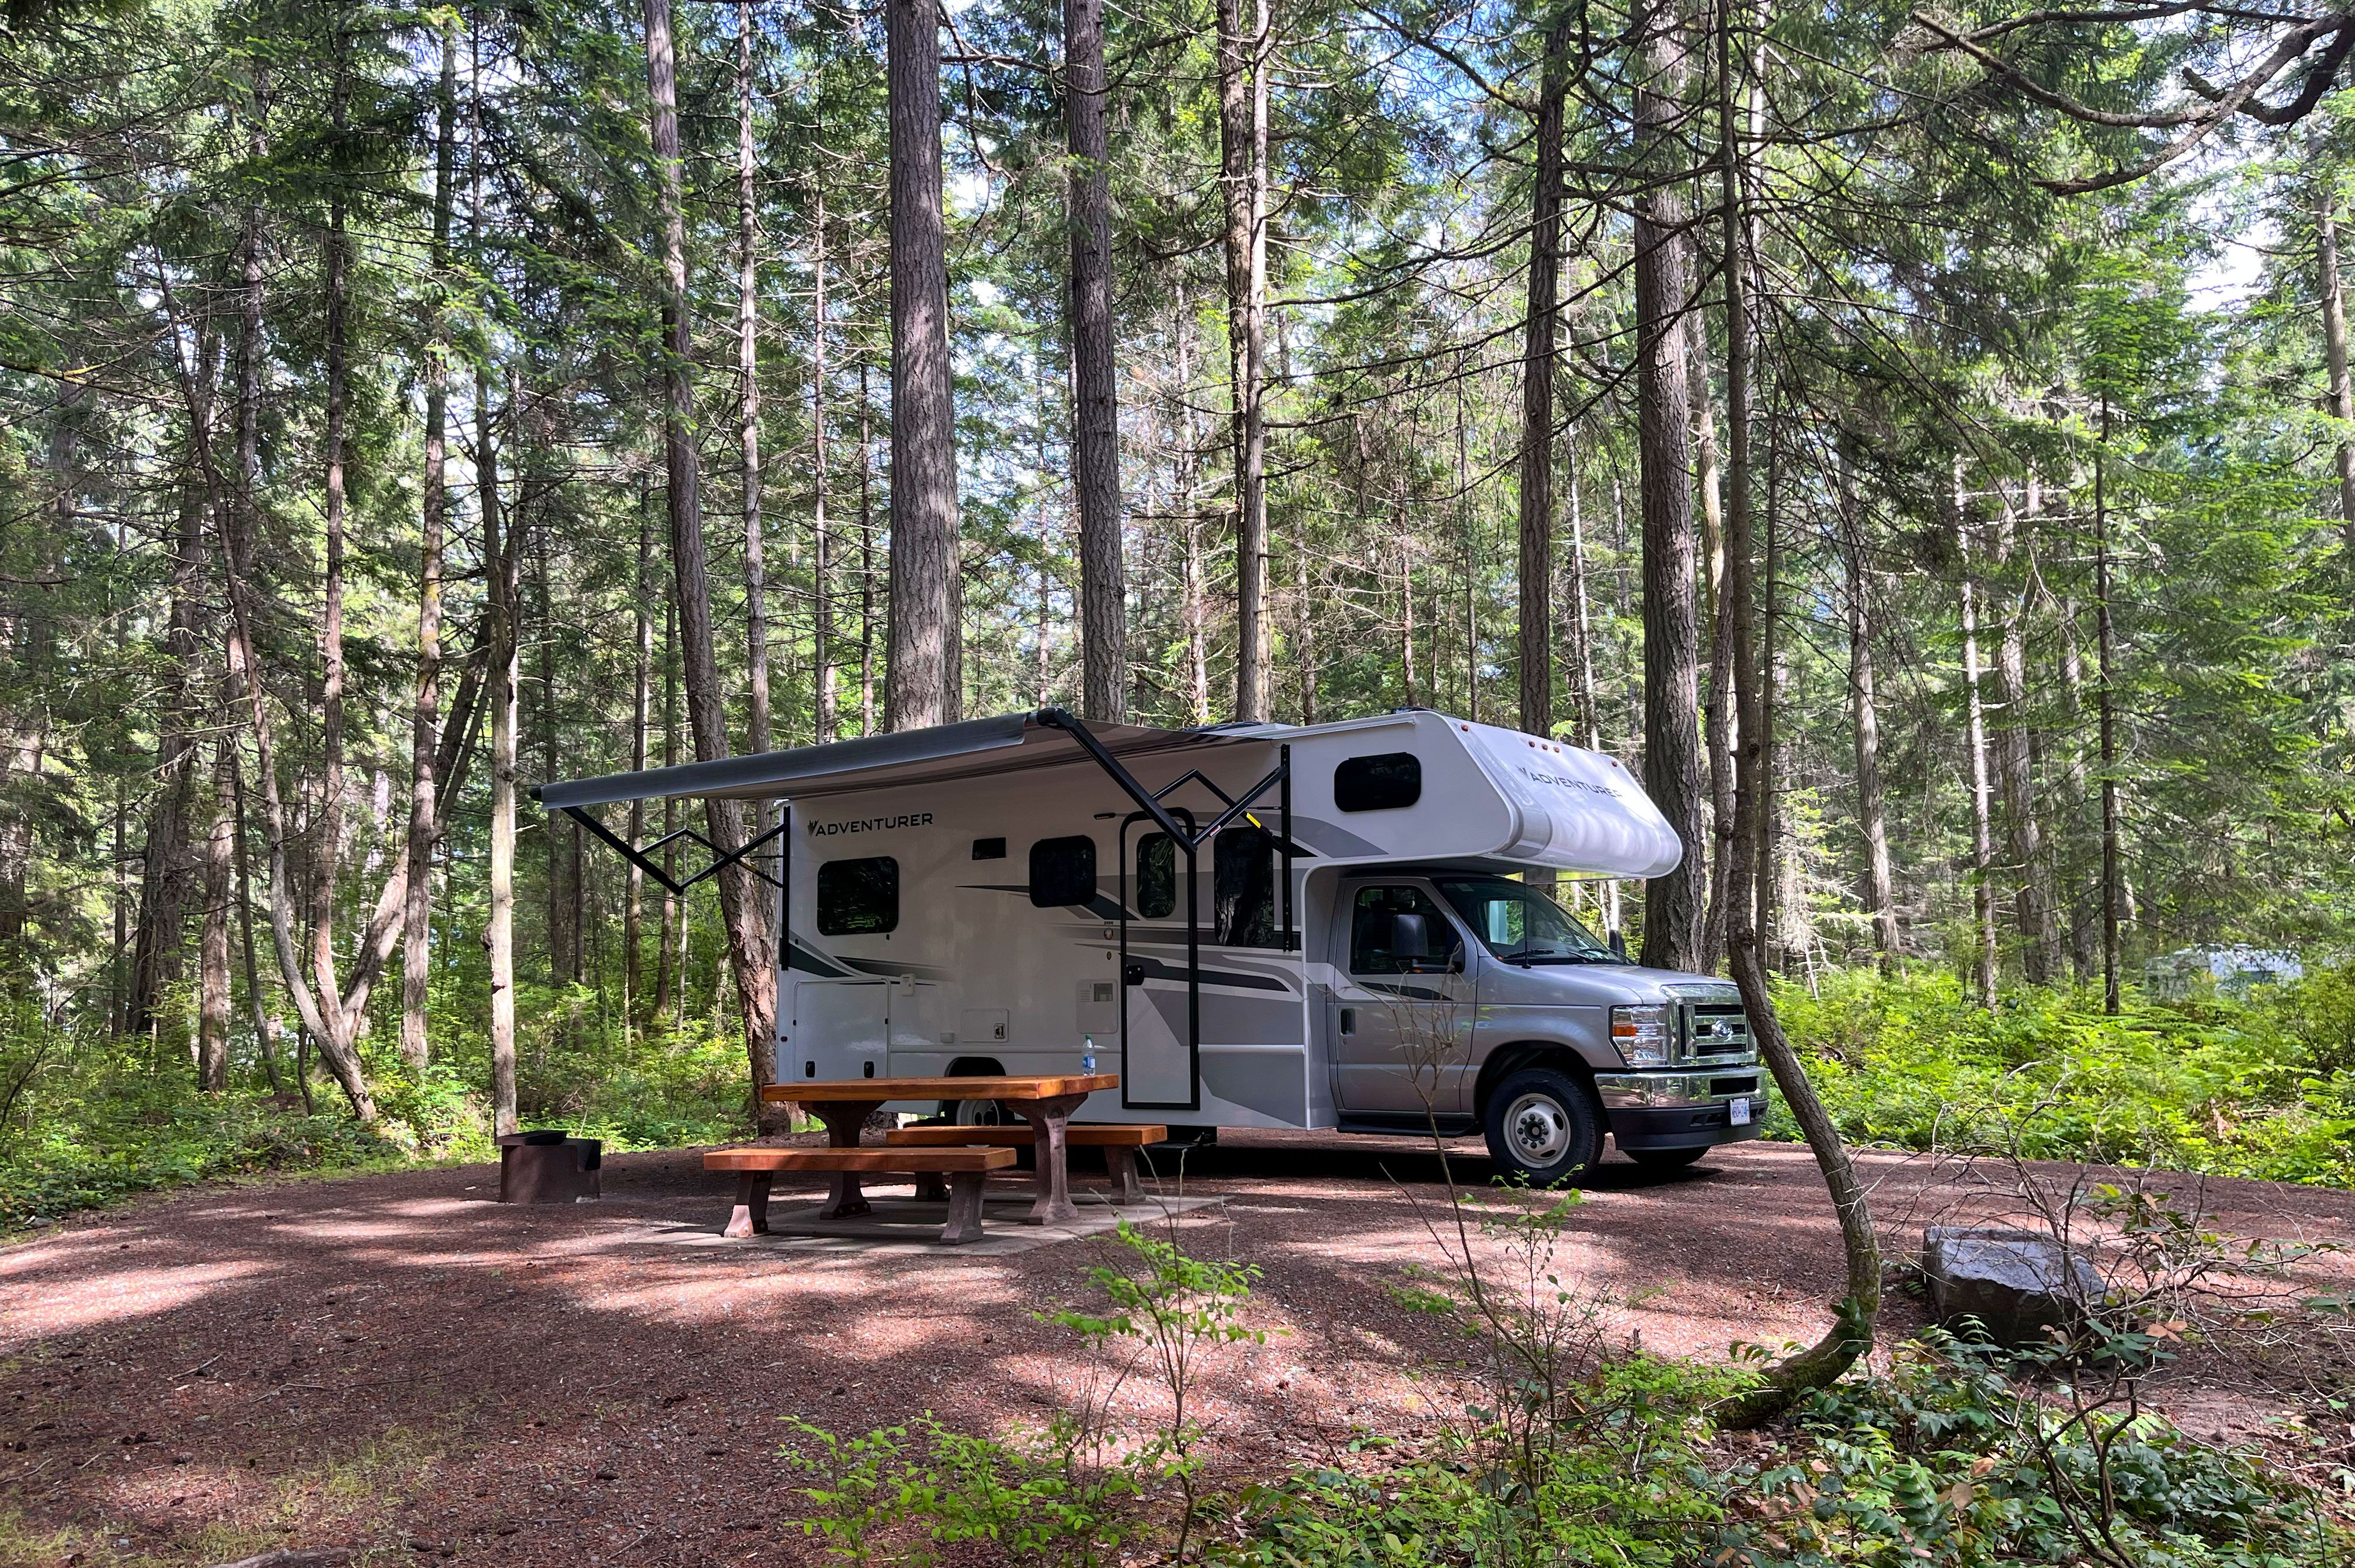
<point>1854,1314</point>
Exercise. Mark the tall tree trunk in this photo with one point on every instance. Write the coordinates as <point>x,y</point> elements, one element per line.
<point>1542,323</point>
<point>641,685</point>
<point>1672,911</point>
<point>750,945</point>
<point>1771,674</point>
<point>1242,155</point>
<point>501,559</point>
<point>1718,699</point>
<point>165,868</point>
<point>2105,696</point>
<point>1864,716</point>
<point>2334,343</point>
<point>747,376</point>
<point>2033,898</point>
<point>667,981</point>
<point>1850,1336</point>
<point>331,1015</point>
<point>212,947</point>
<point>824,701</point>
<point>1193,613</point>
<point>1582,628</point>
<point>555,840</point>
<point>425,729</point>
<point>923,675</point>
<point>1095,422</point>
<point>266,1026</point>
<point>866,556</point>
<point>1982,830</point>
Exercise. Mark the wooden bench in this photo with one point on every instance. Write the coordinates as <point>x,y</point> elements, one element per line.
<point>755,1169</point>
<point>1119,1141</point>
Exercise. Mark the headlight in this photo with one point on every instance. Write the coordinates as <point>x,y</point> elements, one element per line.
<point>1643,1035</point>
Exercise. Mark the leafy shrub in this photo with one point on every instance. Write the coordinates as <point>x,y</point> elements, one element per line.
<point>1915,1062</point>
<point>1950,1463</point>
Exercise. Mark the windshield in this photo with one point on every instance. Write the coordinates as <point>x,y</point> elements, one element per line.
<point>1520,923</point>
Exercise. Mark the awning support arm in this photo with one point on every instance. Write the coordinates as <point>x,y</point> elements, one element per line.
<point>644,858</point>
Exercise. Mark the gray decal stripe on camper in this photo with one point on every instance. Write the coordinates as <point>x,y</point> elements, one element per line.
<point>1411,993</point>
<point>1099,906</point>
<point>806,961</point>
<point>1157,970</point>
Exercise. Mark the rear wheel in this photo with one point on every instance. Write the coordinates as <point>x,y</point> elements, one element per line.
<point>1543,1126</point>
<point>1665,1158</point>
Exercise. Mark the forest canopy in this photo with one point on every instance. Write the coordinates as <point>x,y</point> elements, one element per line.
<point>1917,441</point>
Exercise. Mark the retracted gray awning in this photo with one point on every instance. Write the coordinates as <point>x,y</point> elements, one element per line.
<point>1004,743</point>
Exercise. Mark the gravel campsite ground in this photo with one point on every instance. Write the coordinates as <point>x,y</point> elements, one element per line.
<point>396,1365</point>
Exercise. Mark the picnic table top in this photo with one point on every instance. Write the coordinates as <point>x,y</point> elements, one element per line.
<point>822,1090</point>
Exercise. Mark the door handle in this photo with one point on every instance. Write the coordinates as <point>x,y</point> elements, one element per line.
<point>1131,973</point>
<point>1348,1020</point>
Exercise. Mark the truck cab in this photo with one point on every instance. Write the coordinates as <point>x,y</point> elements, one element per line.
<point>1466,1000</point>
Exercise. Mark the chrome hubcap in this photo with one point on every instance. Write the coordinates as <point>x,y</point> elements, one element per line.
<point>1539,1129</point>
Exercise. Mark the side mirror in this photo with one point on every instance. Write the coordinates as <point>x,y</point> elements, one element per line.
<point>1618,942</point>
<point>1410,938</point>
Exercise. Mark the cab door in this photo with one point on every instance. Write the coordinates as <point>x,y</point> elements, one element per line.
<point>1403,1036</point>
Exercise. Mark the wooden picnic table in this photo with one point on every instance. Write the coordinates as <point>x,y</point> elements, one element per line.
<point>1046,1102</point>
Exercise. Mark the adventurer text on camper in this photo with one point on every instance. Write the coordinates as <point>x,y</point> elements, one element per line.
<point>870,824</point>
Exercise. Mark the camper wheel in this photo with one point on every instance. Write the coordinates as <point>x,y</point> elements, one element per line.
<point>1544,1127</point>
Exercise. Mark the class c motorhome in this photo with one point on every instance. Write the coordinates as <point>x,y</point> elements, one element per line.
<point>1342,925</point>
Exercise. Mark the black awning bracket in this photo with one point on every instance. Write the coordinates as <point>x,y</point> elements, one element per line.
<point>643,858</point>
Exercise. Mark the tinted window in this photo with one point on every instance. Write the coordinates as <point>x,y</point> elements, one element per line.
<point>857,898</point>
<point>1373,933</point>
<point>1062,872</point>
<point>1378,784</point>
<point>1156,876</point>
<point>1243,895</point>
<point>990,848</point>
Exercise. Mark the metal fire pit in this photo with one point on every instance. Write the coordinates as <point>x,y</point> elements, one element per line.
<point>549,1166</point>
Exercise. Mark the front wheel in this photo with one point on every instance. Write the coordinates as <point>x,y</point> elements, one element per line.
<point>1544,1127</point>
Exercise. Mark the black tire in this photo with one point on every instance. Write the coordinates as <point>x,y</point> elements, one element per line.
<point>1665,1158</point>
<point>1543,1126</point>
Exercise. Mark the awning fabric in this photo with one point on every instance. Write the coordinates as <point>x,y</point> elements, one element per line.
<point>1004,743</point>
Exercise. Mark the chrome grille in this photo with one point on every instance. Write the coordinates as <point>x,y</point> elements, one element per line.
<point>1714,1031</point>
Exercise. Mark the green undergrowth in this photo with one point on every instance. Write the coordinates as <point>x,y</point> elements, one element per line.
<point>1546,1446</point>
<point>2263,1090</point>
<point>87,1120</point>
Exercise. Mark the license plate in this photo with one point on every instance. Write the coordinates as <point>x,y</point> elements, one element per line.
<point>1737,1113</point>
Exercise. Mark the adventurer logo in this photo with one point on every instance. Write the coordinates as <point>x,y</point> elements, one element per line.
<point>870,825</point>
<point>1561,782</point>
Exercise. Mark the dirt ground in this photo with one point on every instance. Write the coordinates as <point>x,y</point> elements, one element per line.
<point>396,1365</point>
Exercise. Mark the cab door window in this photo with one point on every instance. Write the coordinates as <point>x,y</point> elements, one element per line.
<point>1400,931</point>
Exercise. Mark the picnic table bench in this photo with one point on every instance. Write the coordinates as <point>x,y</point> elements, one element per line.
<point>755,1169</point>
<point>1119,1141</point>
<point>1045,1102</point>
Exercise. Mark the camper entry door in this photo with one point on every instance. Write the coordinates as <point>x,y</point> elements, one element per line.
<point>1160,989</point>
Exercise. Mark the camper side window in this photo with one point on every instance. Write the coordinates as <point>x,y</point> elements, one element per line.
<point>1384,783</point>
<point>1244,889</point>
<point>858,897</point>
<point>1062,872</point>
<point>1156,876</point>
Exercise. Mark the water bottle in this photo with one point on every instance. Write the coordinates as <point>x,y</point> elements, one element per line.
<point>1088,1054</point>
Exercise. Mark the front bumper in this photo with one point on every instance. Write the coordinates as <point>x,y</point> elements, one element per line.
<point>1683,1109</point>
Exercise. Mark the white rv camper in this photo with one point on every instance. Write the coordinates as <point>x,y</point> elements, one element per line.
<point>1261,925</point>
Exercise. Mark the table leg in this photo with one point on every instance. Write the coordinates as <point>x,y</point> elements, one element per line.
<point>1120,1164</point>
<point>845,1120</point>
<point>1051,1118</point>
<point>752,1215</point>
<point>965,1207</point>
